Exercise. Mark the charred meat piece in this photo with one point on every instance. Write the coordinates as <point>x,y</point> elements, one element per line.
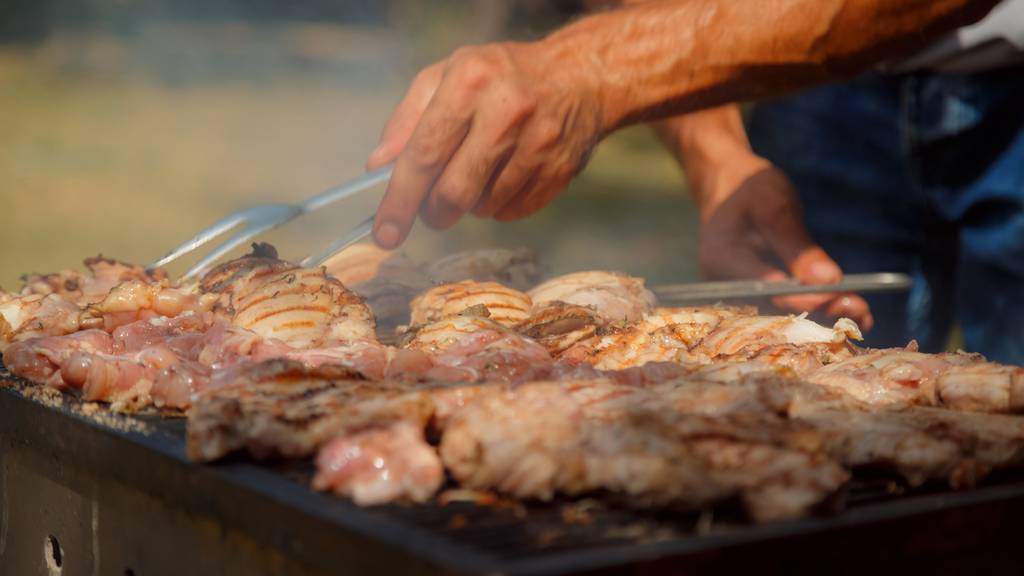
<point>544,438</point>
<point>557,326</point>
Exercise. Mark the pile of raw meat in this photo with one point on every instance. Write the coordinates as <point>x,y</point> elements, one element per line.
<point>467,371</point>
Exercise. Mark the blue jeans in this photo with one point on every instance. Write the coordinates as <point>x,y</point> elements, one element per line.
<point>923,174</point>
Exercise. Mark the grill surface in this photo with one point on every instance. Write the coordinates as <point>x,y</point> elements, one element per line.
<point>883,524</point>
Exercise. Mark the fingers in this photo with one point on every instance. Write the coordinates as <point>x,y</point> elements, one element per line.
<point>400,126</point>
<point>435,139</point>
<point>478,163</point>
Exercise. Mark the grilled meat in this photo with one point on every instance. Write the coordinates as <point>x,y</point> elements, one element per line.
<point>572,438</point>
<point>557,326</point>
<point>615,297</point>
<point>902,377</point>
<point>504,305</point>
<point>476,349</point>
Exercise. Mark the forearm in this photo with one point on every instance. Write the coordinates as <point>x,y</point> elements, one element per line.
<point>653,60</point>
<point>710,145</point>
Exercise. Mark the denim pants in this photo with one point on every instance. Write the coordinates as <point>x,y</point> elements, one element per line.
<point>920,173</point>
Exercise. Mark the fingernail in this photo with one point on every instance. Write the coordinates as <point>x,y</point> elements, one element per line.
<point>388,235</point>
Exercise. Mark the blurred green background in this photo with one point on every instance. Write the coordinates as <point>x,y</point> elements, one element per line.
<point>127,125</point>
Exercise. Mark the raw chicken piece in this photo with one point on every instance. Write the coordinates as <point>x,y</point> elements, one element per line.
<point>504,305</point>
<point>381,464</point>
<point>40,359</point>
<point>614,296</point>
<point>136,300</point>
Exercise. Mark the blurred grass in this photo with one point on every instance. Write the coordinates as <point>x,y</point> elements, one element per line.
<point>127,144</point>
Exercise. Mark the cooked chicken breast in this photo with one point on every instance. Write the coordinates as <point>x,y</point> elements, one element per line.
<point>504,305</point>
<point>615,297</point>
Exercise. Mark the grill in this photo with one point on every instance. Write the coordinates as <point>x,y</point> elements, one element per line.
<point>107,494</point>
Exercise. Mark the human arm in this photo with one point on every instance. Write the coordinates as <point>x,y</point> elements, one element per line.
<point>500,129</point>
<point>751,220</point>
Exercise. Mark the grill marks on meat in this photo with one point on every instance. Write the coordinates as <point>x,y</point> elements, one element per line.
<point>504,305</point>
<point>546,438</point>
<point>613,296</point>
<point>301,307</point>
<point>579,387</point>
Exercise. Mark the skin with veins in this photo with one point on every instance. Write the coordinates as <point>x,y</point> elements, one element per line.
<point>504,305</point>
<point>500,129</point>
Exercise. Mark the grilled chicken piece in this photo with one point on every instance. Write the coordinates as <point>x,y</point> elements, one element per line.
<point>615,297</point>
<point>576,437</point>
<point>387,463</point>
<point>36,315</point>
<point>902,377</point>
<point>516,268</point>
<point>476,349</point>
<point>102,275</point>
<point>734,335</point>
<point>504,305</point>
<point>301,307</point>
<point>665,335</point>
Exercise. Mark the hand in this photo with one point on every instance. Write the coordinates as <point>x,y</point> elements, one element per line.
<point>752,227</point>
<point>498,130</point>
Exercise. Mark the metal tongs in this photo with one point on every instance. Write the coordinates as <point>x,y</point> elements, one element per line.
<point>698,292</point>
<point>265,217</point>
